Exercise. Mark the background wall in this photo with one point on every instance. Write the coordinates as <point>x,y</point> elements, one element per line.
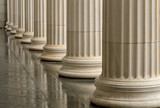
<point>3,12</point>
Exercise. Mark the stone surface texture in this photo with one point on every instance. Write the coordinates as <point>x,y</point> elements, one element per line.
<point>131,55</point>
<point>29,21</point>
<point>40,25</point>
<point>10,15</point>
<point>84,39</point>
<point>15,17</point>
<point>7,11</point>
<point>21,19</point>
<point>55,49</point>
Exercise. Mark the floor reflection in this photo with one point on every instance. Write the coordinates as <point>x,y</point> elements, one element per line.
<point>26,82</point>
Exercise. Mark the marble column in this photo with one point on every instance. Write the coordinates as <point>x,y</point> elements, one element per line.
<point>131,55</point>
<point>29,21</point>
<point>40,25</point>
<point>21,19</point>
<point>7,15</point>
<point>84,38</point>
<point>15,17</point>
<point>55,48</point>
<point>10,15</point>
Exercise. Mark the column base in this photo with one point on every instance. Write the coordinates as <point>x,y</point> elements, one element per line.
<point>127,94</point>
<point>9,29</point>
<point>27,36</point>
<point>53,53</point>
<point>20,32</point>
<point>9,26</point>
<point>81,67</point>
<point>14,28</point>
<point>13,32</point>
<point>6,26</point>
<point>37,44</point>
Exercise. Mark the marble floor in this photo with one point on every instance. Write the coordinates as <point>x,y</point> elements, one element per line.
<point>27,82</point>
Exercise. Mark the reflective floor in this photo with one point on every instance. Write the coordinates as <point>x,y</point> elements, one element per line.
<point>27,82</point>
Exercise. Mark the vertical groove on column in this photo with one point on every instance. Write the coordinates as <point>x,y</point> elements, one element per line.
<point>55,48</point>
<point>40,18</point>
<point>131,55</point>
<point>21,14</point>
<point>11,12</point>
<point>15,13</point>
<point>29,21</point>
<point>84,39</point>
<point>29,24</point>
<point>57,23</point>
<point>85,28</point>
<point>135,40</point>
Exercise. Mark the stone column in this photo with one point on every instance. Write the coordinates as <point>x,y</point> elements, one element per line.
<point>7,15</point>
<point>131,55</point>
<point>29,21</point>
<point>11,15</point>
<point>15,17</point>
<point>40,25</point>
<point>21,19</point>
<point>84,36</point>
<point>55,48</point>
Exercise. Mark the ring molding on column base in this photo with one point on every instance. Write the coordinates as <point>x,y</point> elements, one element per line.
<point>81,67</point>
<point>9,26</point>
<point>6,25</point>
<point>122,95</point>
<point>37,44</point>
<point>14,29</point>
<point>27,36</point>
<point>20,32</point>
<point>53,53</point>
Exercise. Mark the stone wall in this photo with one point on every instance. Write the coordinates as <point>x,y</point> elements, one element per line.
<point>3,12</point>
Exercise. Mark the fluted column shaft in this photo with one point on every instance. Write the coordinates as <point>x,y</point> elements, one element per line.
<point>11,15</point>
<point>131,55</point>
<point>7,14</point>
<point>40,25</point>
<point>55,48</point>
<point>15,17</point>
<point>29,21</point>
<point>21,19</point>
<point>84,36</point>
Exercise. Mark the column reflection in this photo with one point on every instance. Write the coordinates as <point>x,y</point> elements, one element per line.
<point>57,97</point>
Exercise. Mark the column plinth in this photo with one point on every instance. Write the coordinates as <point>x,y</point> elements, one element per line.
<point>53,53</point>
<point>84,38</point>
<point>37,43</point>
<point>11,15</point>
<point>21,19</point>
<point>40,25</point>
<point>29,22</point>
<point>55,49</point>
<point>81,67</point>
<point>27,36</point>
<point>131,55</point>
<point>15,17</point>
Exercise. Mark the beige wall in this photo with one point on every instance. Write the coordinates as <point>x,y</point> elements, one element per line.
<point>3,11</point>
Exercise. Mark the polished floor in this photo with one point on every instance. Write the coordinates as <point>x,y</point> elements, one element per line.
<point>27,82</point>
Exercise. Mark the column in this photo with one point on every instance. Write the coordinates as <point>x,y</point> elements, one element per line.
<point>11,15</point>
<point>84,36</point>
<point>40,25</point>
<point>21,19</point>
<point>131,55</point>
<point>29,21</point>
<point>55,48</point>
<point>7,15</point>
<point>15,17</point>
